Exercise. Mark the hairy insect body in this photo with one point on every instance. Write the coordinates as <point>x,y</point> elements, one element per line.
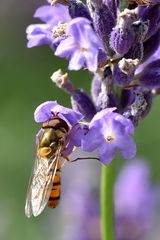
<point>56,189</point>
<point>44,187</point>
<point>50,140</point>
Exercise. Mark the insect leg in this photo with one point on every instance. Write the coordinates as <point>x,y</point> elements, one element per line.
<point>83,158</point>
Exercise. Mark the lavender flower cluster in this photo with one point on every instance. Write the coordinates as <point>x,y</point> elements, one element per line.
<point>120,48</point>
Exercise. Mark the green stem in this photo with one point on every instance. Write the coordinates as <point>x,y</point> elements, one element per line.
<point>124,4</point>
<point>107,202</point>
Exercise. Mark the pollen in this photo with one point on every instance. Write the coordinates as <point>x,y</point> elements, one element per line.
<point>59,30</point>
<point>110,138</point>
<point>83,49</point>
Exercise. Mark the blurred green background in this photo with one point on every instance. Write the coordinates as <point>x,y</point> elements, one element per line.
<point>25,83</point>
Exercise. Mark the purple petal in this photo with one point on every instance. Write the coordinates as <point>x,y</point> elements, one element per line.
<point>91,60</point>
<point>106,112</point>
<point>126,122</point>
<point>91,140</point>
<point>38,34</point>
<point>43,112</point>
<point>69,149</point>
<point>127,147</point>
<point>106,152</point>
<point>72,26</point>
<point>77,61</point>
<point>53,14</point>
<point>65,48</point>
<point>76,134</point>
<point>67,114</point>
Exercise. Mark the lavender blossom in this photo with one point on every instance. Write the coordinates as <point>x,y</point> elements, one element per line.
<point>112,132</point>
<point>81,47</point>
<point>47,110</point>
<point>40,34</point>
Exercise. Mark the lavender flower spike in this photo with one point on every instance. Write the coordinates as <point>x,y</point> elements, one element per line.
<point>81,47</point>
<point>109,131</point>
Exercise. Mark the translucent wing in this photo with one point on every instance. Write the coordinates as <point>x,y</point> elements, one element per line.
<point>41,184</point>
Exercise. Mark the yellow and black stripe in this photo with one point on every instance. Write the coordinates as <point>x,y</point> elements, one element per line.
<point>56,189</point>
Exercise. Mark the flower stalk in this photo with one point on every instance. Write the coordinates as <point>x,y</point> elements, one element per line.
<point>107,202</point>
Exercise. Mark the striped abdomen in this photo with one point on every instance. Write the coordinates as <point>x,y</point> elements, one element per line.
<point>56,189</point>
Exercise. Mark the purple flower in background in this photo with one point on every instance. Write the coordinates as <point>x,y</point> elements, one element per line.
<point>134,196</point>
<point>109,131</point>
<point>134,202</point>
<point>81,47</point>
<point>40,34</point>
<point>80,208</point>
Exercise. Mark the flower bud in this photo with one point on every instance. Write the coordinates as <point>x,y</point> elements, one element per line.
<point>106,97</point>
<point>139,108</point>
<point>151,45</point>
<point>123,72</point>
<point>106,101</point>
<point>113,6</point>
<point>136,50</point>
<point>103,20</point>
<point>150,76</point>
<point>78,9</point>
<point>149,99</point>
<point>127,97</point>
<point>123,35</point>
<point>151,14</point>
<point>62,81</point>
<point>82,103</point>
<point>95,87</point>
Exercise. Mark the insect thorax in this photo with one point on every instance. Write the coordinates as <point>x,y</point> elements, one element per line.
<point>52,137</point>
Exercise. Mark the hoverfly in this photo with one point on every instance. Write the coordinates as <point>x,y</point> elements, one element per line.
<point>44,186</point>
